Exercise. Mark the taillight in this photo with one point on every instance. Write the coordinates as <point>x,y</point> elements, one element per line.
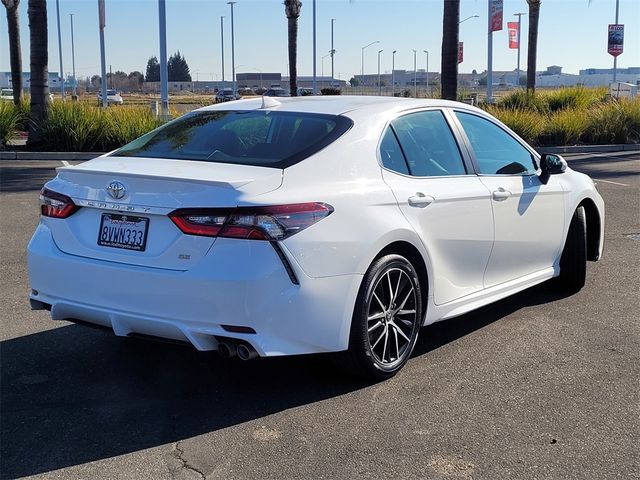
<point>253,223</point>
<point>56,205</point>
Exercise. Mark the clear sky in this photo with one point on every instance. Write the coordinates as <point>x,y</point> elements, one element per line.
<point>572,33</point>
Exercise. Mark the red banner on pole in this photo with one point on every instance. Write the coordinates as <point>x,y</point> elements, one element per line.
<point>496,15</point>
<point>513,34</point>
<point>460,52</point>
<point>616,39</point>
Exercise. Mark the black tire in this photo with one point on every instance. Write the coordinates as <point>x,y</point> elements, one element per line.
<point>400,321</point>
<point>573,263</point>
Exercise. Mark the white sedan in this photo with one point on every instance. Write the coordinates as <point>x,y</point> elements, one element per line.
<point>290,226</point>
<point>113,98</point>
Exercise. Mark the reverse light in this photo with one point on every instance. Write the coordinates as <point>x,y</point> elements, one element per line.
<point>56,205</point>
<point>272,223</point>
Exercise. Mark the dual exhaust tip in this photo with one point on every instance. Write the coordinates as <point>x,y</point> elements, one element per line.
<point>229,348</point>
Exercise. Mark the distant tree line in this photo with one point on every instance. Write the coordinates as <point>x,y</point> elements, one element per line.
<point>177,69</point>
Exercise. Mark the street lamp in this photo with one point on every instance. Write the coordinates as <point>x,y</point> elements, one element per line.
<point>322,68</point>
<point>61,74</point>
<point>379,85</point>
<point>427,52</point>
<point>233,54</point>
<point>362,63</point>
<point>73,60</point>
<point>519,15</point>
<point>472,16</point>
<point>222,45</point>
<point>393,73</point>
<point>415,74</point>
<point>333,51</point>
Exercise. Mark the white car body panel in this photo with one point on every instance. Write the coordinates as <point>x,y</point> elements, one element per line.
<point>187,287</point>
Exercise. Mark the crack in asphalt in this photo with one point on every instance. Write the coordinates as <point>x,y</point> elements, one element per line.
<point>179,452</point>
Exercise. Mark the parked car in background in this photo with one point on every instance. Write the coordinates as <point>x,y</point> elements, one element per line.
<point>276,92</point>
<point>113,98</point>
<point>226,95</point>
<point>304,91</point>
<point>310,225</point>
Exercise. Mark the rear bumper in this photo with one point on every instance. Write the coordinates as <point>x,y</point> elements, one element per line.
<point>238,283</point>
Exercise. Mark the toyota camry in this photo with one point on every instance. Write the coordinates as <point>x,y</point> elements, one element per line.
<point>289,226</point>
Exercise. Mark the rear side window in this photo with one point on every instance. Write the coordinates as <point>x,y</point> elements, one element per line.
<point>261,138</point>
<point>428,144</point>
<point>391,153</point>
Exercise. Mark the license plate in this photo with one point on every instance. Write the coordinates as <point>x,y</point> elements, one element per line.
<point>123,231</point>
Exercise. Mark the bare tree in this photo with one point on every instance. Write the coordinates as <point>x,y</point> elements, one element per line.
<point>15,54</point>
<point>449,62</point>
<point>292,10</point>
<point>532,52</point>
<point>37,12</point>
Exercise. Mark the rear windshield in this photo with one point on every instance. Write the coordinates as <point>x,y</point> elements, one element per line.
<point>261,138</point>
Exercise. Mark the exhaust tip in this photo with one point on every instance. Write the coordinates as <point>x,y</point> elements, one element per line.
<point>246,352</point>
<point>226,350</point>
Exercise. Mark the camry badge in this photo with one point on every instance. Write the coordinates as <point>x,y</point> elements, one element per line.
<point>116,190</point>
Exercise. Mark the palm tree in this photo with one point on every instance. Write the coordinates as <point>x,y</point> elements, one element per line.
<point>532,52</point>
<point>38,37</point>
<point>292,10</point>
<point>15,55</point>
<point>449,62</point>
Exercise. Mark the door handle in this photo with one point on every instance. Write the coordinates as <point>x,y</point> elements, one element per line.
<point>420,200</point>
<point>501,194</point>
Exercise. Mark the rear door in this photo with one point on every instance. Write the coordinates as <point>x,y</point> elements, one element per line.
<point>442,199</point>
<point>528,215</point>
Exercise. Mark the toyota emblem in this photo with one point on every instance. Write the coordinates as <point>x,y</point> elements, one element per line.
<point>116,190</point>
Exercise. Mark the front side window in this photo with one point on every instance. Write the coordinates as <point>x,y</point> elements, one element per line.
<point>428,144</point>
<point>261,138</point>
<point>497,152</point>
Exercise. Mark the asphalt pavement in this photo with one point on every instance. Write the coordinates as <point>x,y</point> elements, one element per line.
<point>537,386</point>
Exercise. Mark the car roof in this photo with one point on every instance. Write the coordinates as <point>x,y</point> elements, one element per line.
<point>339,104</point>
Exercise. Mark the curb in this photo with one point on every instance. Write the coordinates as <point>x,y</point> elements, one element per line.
<point>632,147</point>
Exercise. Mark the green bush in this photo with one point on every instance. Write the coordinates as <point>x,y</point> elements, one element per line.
<point>10,120</point>
<point>616,121</point>
<point>572,97</point>
<point>521,100</point>
<point>80,127</point>
<point>331,91</point>
<point>564,127</point>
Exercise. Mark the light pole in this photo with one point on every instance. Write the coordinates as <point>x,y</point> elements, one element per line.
<point>415,74</point>
<point>427,52</point>
<point>379,84</point>
<point>489,54</point>
<point>393,73</point>
<point>362,63</point>
<point>519,15</point>
<point>233,53</point>
<point>315,77</point>
<point>222,46</point>
<point>615,59</point>
<point>103,63</point>
<point>61,74</point>
<point>73,59</point>
<point>322,72</point>
<point>333,51</point>
<point>164,74</point>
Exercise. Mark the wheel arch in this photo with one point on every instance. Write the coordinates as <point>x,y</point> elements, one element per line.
<point>411,253</point>
<point>594,228</point>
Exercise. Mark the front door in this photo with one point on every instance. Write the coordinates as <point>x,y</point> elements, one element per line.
<point>528,215</point>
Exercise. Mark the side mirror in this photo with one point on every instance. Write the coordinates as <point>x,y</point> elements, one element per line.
<point>551,164</point>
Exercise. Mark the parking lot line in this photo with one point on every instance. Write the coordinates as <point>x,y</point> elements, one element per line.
<point>609,181</point>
